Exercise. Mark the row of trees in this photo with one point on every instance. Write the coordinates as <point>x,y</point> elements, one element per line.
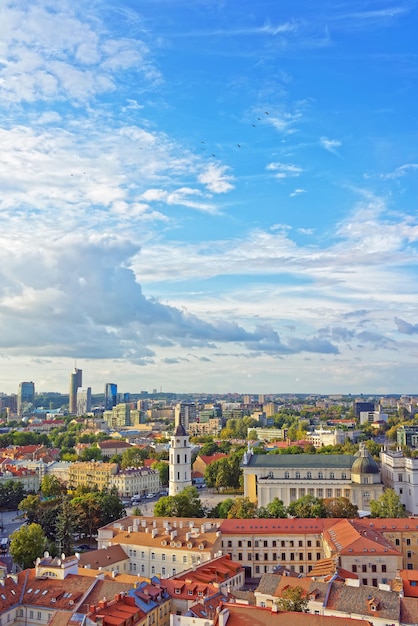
<point>188,504</point>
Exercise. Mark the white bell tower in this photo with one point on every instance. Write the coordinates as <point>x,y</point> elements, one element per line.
<point>180,461</point>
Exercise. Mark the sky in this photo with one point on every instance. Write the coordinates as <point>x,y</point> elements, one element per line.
<point>211,196</point>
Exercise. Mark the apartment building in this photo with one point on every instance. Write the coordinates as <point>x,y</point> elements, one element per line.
<point>91,473</point>
<point>261,545</point>
<point>139,481</point>
<point>158,547</point>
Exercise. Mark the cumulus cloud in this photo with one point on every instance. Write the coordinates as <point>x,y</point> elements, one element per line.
<point>297,192</point>
<point>216,178</point>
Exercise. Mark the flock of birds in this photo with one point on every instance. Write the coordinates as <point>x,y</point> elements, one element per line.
<point>238,145</point>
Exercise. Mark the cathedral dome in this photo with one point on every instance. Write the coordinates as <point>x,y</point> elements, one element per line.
<point>364,463</point>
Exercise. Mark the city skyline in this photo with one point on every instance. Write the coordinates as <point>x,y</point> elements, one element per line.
<point>208,196</point>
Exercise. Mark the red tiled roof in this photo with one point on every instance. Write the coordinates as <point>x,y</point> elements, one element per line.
<point>273,526</point>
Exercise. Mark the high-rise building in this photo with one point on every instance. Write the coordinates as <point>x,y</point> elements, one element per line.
<point>111,396</point>
<point>185,413</point>
<point>25,396</point>
<point>76,378</point>
<point>84,401</point>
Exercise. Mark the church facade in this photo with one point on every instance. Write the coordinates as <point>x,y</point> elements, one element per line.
<point>292,476</point>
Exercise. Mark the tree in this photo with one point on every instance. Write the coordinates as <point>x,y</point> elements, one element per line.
<point>242,508</point>
<point>51,486</point>
<point>274,509</point>
<point>307,506</point>
<point>388,505</point>
<point>26,544</point>
<point>133,457</point>
<point>208,449</point>
<point>185,504</point>
<point>293,599</point>
<point>340,507</point>
<point>163,469</point>
<point>11,494</point>
<point>31,506</point>
<point>110,505</point>
<point>88,513</point>
<point>222,508</point>
<point>65,526</point>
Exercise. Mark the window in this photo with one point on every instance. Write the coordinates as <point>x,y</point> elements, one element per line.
<point>329,493</point>
<point>229,544</point>
<point>397,542</point>
<point>300,543</point>
<point>318,556</point>
<point>320,493</point>
<point>409,554</point>
<point>274,556</point>
<point>364,581</point>
<point>383,568</point>
<point>309,475</point>
<point>309,556</point>
<point>309,543</point>
<point>300,556</point>
<point>163,557</point>
<point>239,556</point>
<point>39,615</point>
<point>344,476</point>
<point>297,474</point>
<point>291,543</point>
<point>286,474</point>
<point>239,544</point>
<point>257,556</point>
<point>354,568</point>
<point>152,569</point>
<point>292,556</point>
<point>249,544</point>
<point>250,556</point>
<point>409,566</point>
<point>173,558</point>
<point>152,556</point>
<point>257,569</point>
<point>265,544</point>
<point>163,571</point>
<point>400,478</point>
<point>374,582</point>
<point>320,475</point>
<point>408,542</point>
<point>283,544</point>
<point>256,544</point>
<point>273,543</point>
<point>364,568</point>
<point>332,475</point>
<point>185,559</point>
<point>301,569</point>
<point>266,556</point>
<point>374,568</point>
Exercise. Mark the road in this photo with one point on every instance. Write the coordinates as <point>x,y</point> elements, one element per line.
<point>11,520</point>
<point>208,498</point>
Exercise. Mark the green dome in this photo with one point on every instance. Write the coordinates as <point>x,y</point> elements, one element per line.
<point>365,464</point>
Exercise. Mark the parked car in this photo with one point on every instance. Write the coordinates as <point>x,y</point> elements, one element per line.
<point>83,547</point>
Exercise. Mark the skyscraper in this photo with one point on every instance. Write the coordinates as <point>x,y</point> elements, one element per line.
<point>76,378</point>
<point>25,396</point>
<point>84,401</point>
<point>111,396</point>
<point>185,413</point>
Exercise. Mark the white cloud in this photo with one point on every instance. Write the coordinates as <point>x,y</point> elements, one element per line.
<point>401,171</point>
<point>330,144</point>
<point>216,178</point>
<point>297,192</point>
<point>284,170</point>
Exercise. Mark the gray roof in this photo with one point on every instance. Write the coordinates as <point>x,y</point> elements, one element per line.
<point>268,584</point>
<point>285,461</point>
<point>355,600</point>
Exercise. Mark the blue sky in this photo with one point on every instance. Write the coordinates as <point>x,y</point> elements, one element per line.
<point>209,196</point>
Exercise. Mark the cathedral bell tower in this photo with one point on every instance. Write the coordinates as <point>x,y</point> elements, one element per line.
<point>180,461</point>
